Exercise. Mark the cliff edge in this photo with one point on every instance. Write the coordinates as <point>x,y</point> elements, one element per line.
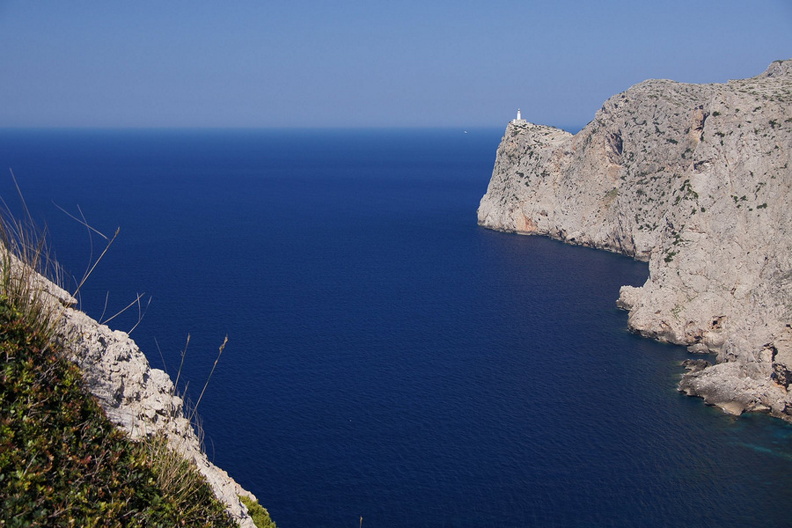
<point>696,180</point>
<point>139,400</point>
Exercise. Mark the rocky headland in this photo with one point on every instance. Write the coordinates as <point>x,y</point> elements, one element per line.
<point>696,180</point>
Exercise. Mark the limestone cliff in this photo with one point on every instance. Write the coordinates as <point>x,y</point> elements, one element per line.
<point>138,399</point>
<point>696,180</point>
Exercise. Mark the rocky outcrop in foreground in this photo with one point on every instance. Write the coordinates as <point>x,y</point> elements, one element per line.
<point>696,180</point>
<point>140,400</point>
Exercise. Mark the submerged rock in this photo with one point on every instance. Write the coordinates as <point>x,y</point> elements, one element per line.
<point>696,180</point>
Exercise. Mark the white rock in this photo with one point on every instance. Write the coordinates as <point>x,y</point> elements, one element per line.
<point>697,180</point>
<point>141,400</point>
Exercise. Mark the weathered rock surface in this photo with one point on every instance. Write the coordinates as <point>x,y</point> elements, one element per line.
<point>140,400</point>
<point>696,180</point>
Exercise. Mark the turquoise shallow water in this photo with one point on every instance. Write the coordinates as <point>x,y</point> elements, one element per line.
<point>387,357</point>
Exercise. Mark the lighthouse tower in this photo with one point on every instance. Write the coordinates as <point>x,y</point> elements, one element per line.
<point>519,118</point>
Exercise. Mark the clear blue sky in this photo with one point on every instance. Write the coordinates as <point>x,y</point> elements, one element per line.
<point>301,63</point>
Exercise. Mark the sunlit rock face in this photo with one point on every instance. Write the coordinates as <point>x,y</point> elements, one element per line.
<point>139,400</point>
<point>694,179</point>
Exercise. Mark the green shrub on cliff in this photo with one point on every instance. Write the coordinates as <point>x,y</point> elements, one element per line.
<point>259,514</point>
<point>62,463</point>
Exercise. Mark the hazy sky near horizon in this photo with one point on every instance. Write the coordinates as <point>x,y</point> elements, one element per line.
<point>359,63</point>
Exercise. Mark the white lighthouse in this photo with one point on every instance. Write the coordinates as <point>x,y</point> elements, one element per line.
<point>519,118</point>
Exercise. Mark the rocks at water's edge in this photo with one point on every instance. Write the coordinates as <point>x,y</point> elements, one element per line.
<point>696,180</point>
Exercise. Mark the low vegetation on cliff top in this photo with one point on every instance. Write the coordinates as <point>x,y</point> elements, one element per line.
<point>62,462</point>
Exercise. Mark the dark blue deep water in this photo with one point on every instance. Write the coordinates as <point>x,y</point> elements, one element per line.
<point>387,358</point>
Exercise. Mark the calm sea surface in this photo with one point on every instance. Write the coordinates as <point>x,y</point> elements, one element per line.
<point>387,358</point>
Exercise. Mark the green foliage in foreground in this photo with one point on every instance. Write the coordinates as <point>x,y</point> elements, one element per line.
<point>258,513</point>
<point>62,463</point>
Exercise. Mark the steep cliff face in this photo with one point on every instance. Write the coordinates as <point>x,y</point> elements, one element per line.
<point>696,180</point>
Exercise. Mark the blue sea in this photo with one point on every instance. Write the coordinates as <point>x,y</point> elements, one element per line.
<point>387,358</point>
